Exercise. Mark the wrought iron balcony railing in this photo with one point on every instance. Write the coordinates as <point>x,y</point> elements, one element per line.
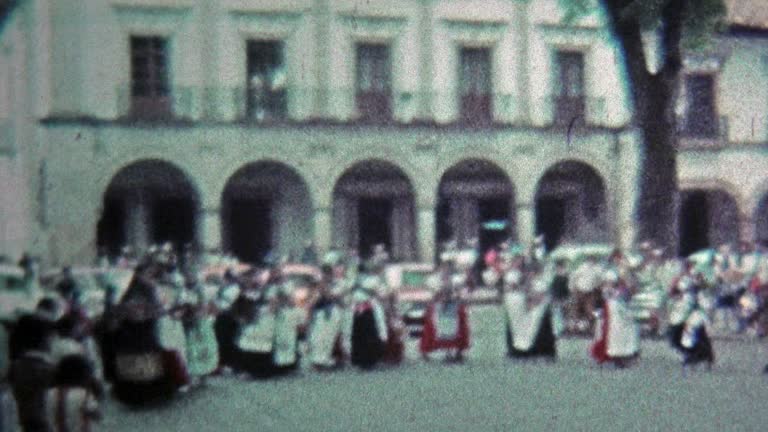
<point>177,102</point>
<point>703,134</point>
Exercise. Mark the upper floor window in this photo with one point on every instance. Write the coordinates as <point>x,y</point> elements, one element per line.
<point>569,90</point>
<point>150,92</point>
<point>373,88</point>
<point>475,85</point>
<point>266,87</point>
<point>700,118</point>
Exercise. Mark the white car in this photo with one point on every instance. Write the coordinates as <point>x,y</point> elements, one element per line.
<point>410,283</point>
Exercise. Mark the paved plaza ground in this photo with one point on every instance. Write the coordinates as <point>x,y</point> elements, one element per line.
<point>486,393</point>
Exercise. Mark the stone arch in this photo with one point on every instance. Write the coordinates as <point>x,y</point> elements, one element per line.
<point>148,201</point>
<point>709,217</point>
<point>266,206</point>
<point>374,203</point>
<point>476,199</point>
<point>571,204</point>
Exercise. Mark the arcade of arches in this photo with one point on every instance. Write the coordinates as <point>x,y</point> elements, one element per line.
<point>267,206</point>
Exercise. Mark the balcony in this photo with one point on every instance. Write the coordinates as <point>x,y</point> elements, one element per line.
<point>374,106</point>
<point>178,103</point>
<point>561,112</point>
<point>698,134</point>
<point>568,109</point>
<point>295,105</point>
<point>476,110</point>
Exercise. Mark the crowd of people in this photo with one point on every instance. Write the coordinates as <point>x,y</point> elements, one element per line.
<point>180,321</point>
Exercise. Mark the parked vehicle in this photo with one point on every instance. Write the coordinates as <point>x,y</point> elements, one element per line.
<point>410,283</point>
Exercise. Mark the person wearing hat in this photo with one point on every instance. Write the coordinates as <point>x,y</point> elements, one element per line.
<point>288,319</point>
<point>145,371</point>
<point>617,337</point>
<point>368,333</point>
<point>202,350</point>
<point>528,313</point>
<point>584,283</point>
<point>688,325</point>
<point>446,325</point>
<point>325,324</point>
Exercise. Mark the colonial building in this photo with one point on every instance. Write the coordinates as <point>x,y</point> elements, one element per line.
<point>256,125</point>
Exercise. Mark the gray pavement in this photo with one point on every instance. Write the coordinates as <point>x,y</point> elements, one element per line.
<point>486,393</point>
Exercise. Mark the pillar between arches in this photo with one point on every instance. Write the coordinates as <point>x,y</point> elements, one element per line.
<point>526,223</point>
<point>747,229</point>
<point>426,233</point>
<point>210,231</point>
<point>322,219</point>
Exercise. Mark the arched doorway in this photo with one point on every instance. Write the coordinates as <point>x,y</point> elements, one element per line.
<point>266,208</point>
<point>708,218</point>
<point>373,203</point>
<point>761,221</point>
<point>148,202</point>
<point>571,205</point>
<point>475,200</point>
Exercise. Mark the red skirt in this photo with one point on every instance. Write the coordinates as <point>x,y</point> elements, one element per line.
<point>175,368</point>
<point>429,337</point>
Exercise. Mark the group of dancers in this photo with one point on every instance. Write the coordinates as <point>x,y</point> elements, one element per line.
<point>172,328</point>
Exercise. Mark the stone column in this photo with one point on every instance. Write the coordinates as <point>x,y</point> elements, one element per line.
<point>211,235</point>
<point>523,82</point>
<point>426,59</point>
<point>747,228</point>
<point>322,229</point>
<point>426,233</point>
<point>526,223</point>
<point>323,49</point>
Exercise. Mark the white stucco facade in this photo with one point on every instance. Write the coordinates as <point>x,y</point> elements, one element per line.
<point>66,131</point>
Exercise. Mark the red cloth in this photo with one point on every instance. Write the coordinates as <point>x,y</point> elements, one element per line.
<point>491,258</point>
<point>393,353</point>
<point>429,341</point>
<point>175,367</point>
<point>599,349</point>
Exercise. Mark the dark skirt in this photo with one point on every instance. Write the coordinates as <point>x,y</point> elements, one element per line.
<point>675,333</point>
<point>367,347</point>
<point>701,350</point>
<point>262,365</point>
<point>157,389</point>
<point>226,329</point>
<point>543,346</point>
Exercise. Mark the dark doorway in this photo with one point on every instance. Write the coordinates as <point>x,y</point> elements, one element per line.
<point>110,231</point>
<point>374,219</point>
<point>493,211</point>
<point>444,229</point>
<point>173,220</point>
<point>550,219</point>
<point>694,222</point>
<point>250,229</point>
